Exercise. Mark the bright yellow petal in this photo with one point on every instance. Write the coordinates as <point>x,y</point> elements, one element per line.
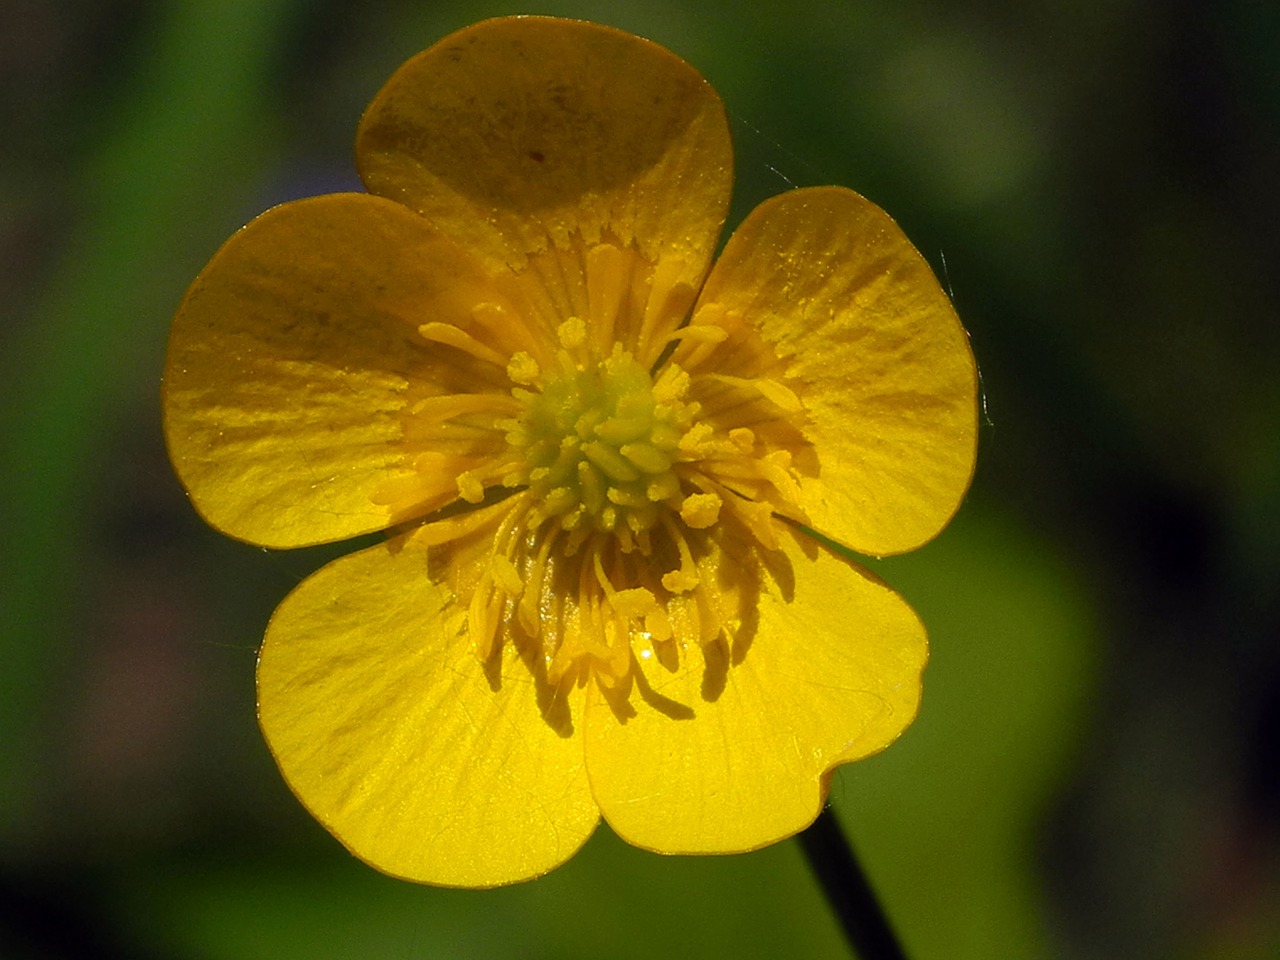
<point>728,752</point>
<point>820,289</point>
<point>518,134</point>
<point>290,364</point>
<point>426,763</point>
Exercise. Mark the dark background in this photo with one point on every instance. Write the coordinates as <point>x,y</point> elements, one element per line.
<point>1093,774</point>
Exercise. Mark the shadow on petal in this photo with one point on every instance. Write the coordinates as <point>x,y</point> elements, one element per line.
<point>552,698</point>
<point>715,673</point>
<point>619,698</point>
<point>664,705</point>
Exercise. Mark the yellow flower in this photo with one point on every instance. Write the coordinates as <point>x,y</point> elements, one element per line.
<point>602,461</point>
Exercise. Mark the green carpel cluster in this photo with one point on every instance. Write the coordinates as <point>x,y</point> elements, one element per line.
<point>599,445</point>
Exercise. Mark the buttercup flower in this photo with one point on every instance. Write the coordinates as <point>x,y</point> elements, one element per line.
<point>610,470</point>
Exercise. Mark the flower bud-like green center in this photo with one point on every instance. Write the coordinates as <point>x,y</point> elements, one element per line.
<point>600,443</point>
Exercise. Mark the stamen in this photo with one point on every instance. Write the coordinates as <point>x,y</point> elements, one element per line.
<point>450,335</point>
<point>697,439</point>
<point>469,487</point>
<point>699,333</point>
<point>781,396</point>
<point>572,333</point>
<point>522,369</point>
<point>685,577</point>
<point>446,406</point>
<point>505,577</point>
<point>530,611</point>
<point>606,286</point>
<point>464,524</point>
<point>669,301</point>
<point>504,325</point>
<point>692,350</point>
<point>671,385</point>
<point>483,617</point>
<point>700,510</point>
<point>662,487</point>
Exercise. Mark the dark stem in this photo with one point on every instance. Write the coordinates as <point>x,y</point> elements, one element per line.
<point>831,857</point>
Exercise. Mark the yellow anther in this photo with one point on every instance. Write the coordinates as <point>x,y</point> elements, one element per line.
<point>505,577</point>
<point>680,581</point>
<point>671,385</point>
<point>470,488</point>
<point>636,602</point>
<point>572,333</point>
<point>700,510</point>
<point>522,368</point>
<point>696,437</point>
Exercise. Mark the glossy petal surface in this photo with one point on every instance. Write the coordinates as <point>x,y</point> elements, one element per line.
<point>292,358</point>
<point>518,135</point>
<point>425,762</point>
<point>821,288</point>
<point>728,751</point>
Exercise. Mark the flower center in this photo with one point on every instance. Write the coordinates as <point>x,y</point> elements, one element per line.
<point>599,444</point>
<point>632,483</point>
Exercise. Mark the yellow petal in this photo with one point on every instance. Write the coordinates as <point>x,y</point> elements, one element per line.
<point>290,363</point>
<point>426,763</point>
<point>729,751</point>
<point>518,134</point>
<point>822,287</point>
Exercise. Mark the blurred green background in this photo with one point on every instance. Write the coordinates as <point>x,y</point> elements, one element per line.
<point>1094,772</point>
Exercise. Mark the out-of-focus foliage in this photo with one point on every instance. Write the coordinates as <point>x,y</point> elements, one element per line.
<point>1090,774</point>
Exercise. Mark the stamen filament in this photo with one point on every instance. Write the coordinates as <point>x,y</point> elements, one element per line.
<point>452,336</point>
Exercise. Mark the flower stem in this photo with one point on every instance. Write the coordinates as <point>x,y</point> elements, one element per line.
<point>833,861</point>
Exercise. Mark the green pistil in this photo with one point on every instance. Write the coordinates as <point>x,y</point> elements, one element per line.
<point>599,448</point>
